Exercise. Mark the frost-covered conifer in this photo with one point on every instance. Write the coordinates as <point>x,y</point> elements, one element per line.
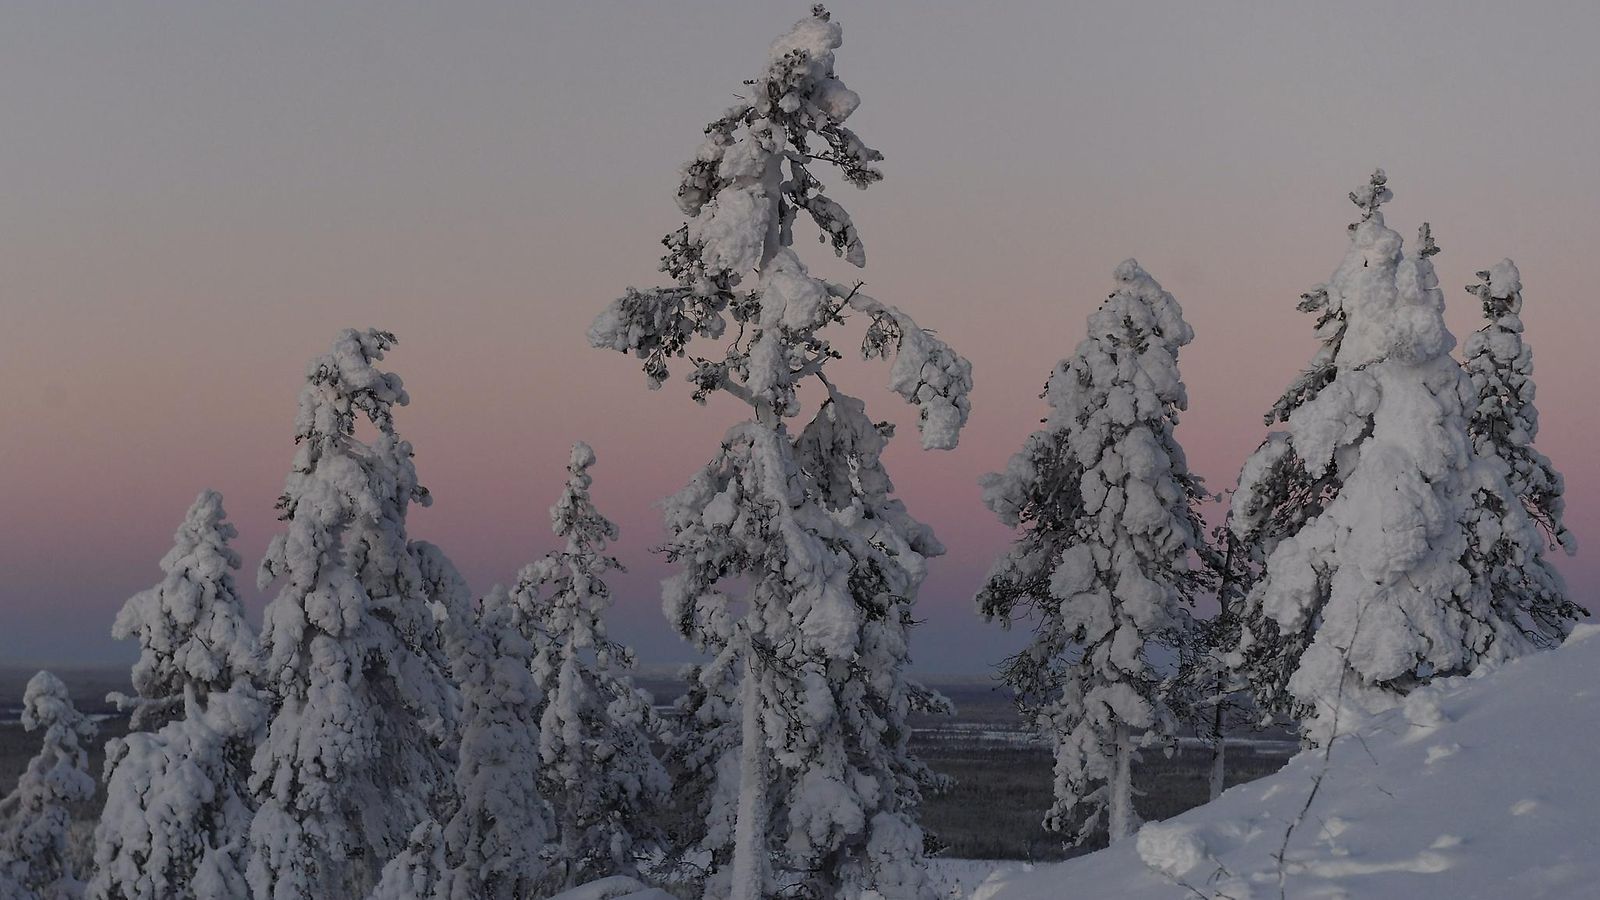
<point>1506,557</point>
<point>786,576</point>
<point>191,627</point>
<point>597,768</point>
<point>177,812</point>
<point>1369,596</point>
<point>1101,571</point>
<point>500,825</point>
<point>1278,494</point>
<point>352,759</point>
<point>34,818</point>
<point>178,806</point>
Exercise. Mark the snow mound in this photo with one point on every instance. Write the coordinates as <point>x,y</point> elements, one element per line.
<point>617,887</point>
<point>1176,850</point>
<point>1480,787</point>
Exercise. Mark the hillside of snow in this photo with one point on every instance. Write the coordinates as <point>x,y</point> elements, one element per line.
<point>1479,787</point>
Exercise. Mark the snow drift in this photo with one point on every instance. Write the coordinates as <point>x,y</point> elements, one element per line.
<point>1479,787</point>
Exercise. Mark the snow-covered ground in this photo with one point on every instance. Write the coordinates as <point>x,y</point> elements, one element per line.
<point>1481,787</point>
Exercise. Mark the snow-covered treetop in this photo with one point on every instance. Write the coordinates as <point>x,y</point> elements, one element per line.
<point>1371,195</point>
<point>341,386</point>
<point>1391,302</point>
<point>342,478</point>
<point>1500,290</point>
<point>574,516</point>
<point>733,258</point>
<point>1379,304</point>
<point>1124,372</point>
<point>47,704</point>
<point>1505,421</point>
<point>562,593</point>
<point>1330,308</point>
<point>344,381</point>
<point>59,773</point>
<point>191,627</point>
<point>1278,490</point>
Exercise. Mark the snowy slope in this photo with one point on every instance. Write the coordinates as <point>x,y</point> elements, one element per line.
<point>1483,787</point>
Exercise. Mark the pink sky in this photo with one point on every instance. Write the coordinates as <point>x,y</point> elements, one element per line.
<point>201,196</point>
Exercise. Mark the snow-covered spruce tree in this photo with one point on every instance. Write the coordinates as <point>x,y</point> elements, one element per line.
<point>34,818</point>
<point>794,753</point>
<point>351,761</point>
<point>1101,572</point>
<point>500,824</point>
<point>1506,557</point>
<point>1278,494</point>
<point>597,768</point>
<point>1370,596</point>
<point>191,628</point>
<point>178,806</point>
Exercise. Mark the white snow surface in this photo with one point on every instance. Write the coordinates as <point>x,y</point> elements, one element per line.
<point>1492,795</point>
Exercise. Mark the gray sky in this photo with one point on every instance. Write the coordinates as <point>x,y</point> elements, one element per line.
<point>201,194</point>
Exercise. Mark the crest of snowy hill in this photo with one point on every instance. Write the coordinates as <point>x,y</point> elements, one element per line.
<point>1477,787</point>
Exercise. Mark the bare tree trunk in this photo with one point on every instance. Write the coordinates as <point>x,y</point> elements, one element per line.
<point>1121,821</point>
<point>1219,745</point>
<point>749,830</point>
<point>569,855</point>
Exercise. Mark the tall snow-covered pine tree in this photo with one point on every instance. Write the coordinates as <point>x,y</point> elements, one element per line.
<point>799,789</point>
<point>1101,572</point>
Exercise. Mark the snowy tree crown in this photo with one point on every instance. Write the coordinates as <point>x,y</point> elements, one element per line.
<point>733,259</point>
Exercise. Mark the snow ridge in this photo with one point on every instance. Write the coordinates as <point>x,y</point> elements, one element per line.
<point>1393,821</point>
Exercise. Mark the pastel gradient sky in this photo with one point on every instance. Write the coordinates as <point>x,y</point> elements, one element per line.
<point>197,196</point>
